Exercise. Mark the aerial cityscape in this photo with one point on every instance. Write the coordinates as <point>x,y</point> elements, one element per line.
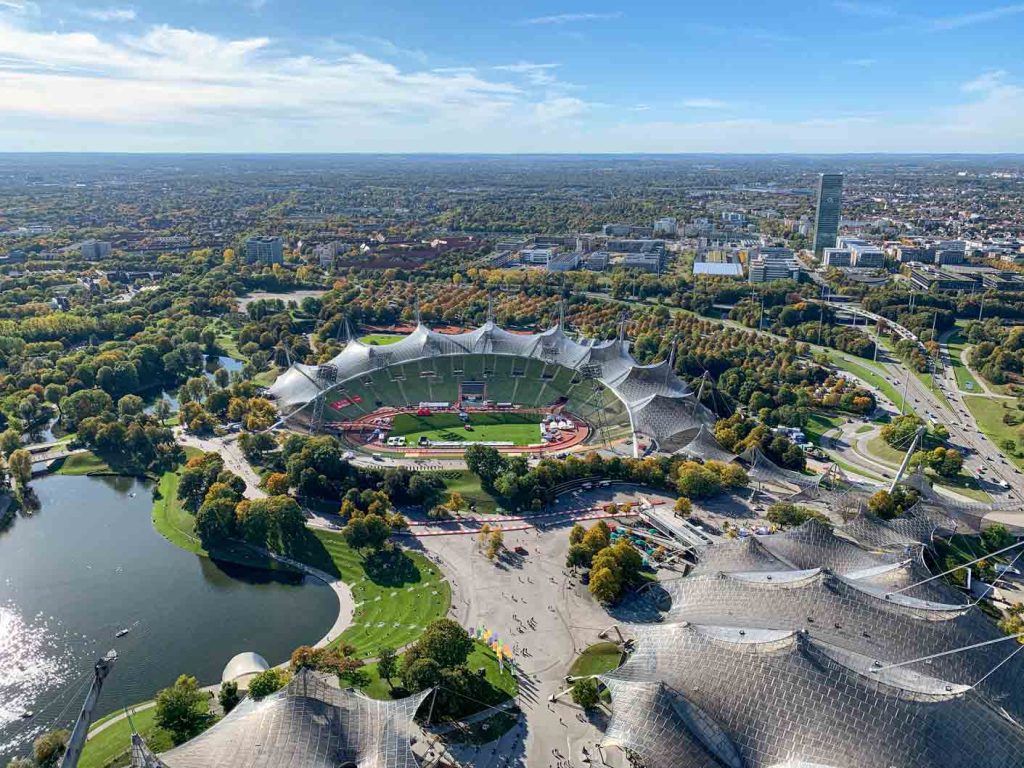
<point>368,401</point>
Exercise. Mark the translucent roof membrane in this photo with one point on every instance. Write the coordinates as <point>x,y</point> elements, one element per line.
<point>660,405</point>
<point>309,724</point>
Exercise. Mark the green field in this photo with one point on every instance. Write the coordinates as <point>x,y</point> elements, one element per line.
<point>396,595</point>
<point>989,412</point>
<point>965,380</point>
<point>380,339</point>
<point>82,464</point>
<point>516,428</point>
<point>598,658</point>
<point>468,484</point>
<point>110,747</point>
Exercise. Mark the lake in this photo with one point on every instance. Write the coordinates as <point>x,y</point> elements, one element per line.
<point>89,563</point>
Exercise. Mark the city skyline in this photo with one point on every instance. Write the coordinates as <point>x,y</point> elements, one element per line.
<point>260,76</point>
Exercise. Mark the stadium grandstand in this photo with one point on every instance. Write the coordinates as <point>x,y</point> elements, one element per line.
<point>823,646</point>
<point>597,381</point>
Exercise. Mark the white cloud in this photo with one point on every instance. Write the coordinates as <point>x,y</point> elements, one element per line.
<point>109,14</point>
<point>19,7</point>
<point>536,74</point>
<point>705,104</point>
<point>871,10</point>
<point>986,82</point>
<point>557,110</point>
<point>978,17</point>
<point>569,18</point>
<point>862,62</point>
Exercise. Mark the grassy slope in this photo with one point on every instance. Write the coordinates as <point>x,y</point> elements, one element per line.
<point>381,339</point>
<point>964,378</point>
<point>82,464</point>
<point>110,747</point>
<point>598,658</point>
<point>410,597</point>
<point>468,484</point>
<point>518,428</point>
<point>989,414</point>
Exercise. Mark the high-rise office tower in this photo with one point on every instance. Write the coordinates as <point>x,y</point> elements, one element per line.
<point>826,220</point>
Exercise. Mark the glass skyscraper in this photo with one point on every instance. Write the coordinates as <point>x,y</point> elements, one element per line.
<point>826,219</point>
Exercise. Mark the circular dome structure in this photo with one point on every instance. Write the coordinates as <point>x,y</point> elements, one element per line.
<point>243,667</point>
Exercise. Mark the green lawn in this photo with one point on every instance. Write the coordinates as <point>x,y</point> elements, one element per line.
<point>395,598</point>
<point>819,423</point>
<point>381,339</point>
<point>82,464</point>
<point>598,658</point>
<point>110,748</point>
<point>177,525</point>
<point>964,378</point>
<point>964,485</point>
<point>883,452</point>
<point>517,428</point>
<point>989,412</point>
<point>268,377</point>
<point>468,484</point>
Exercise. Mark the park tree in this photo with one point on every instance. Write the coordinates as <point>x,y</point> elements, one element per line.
<point>130,405</point>
<point>228,696</point>
<point>10,441</point>
<point>368,531</point>
<point>179,709</point>
<point>277,484</point>
<point>387,664</point>
<point>787,515</point>
<point>445,642</point>
<point>49,748</point>
<point>576,534</point>
<point>683,507</point>
<point>20,465</point>
<point>486,462</point>
<point>266,683</point>
<point>604,585</point>
<point>585,693</point>
<point>494,543</point>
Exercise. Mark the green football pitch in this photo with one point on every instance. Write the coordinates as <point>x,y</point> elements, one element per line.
<point>516,428</point>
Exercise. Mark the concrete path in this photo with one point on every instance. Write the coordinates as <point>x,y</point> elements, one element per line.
<point>228,449</point>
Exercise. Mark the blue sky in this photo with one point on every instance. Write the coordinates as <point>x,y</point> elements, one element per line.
<point>407,76</point>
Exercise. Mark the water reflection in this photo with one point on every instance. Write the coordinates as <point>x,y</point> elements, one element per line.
<point>88,564</point>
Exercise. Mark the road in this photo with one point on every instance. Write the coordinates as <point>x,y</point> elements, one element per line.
<point>228,449</point>
<point>980,451</point>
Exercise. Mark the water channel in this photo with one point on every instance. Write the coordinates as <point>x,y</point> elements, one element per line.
<point>90,563</point>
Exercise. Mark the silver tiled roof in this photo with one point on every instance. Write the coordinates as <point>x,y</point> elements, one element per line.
<point>308,724</point>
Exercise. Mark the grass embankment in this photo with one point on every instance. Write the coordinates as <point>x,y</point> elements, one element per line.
<point>468,484</point>
<point>867,372</point>
<point>380,339</point>
<point>965,380</point>
<point>819,424</point>
<point>368,679</point>
<point>989,413</point>
<point>87,463</point>
<point>516,428</point>
<point>109,748</point>
<point>396,595</point>
<point>177,525</point>
<point>597,659</point>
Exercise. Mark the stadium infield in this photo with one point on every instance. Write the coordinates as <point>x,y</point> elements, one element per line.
<point>516,428</point>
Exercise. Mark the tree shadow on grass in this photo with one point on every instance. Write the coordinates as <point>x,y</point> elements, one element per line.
<point>391,568</point>
<point>306,547</point>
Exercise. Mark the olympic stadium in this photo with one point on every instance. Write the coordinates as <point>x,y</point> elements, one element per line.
<point>617,401</point>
